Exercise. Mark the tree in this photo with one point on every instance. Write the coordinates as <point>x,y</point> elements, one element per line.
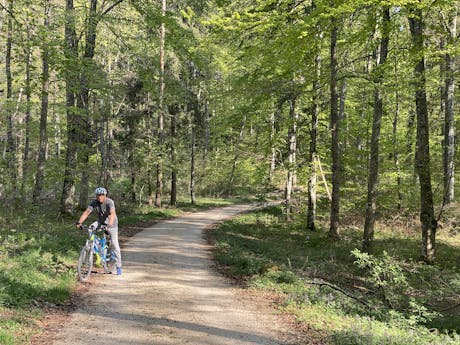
<point>11,146</point>
<point>427,218</point>
<point>313,152</point>
<point>159,189</point>
<point>291,161</point>
<point>71,55</point>
<point>450,26</point>
<point>372,184</point>
<point>335,138</point>
<point>43,143</point>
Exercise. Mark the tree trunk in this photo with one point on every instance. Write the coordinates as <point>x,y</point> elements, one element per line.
<point>292,147</point>
<point>159,190</point>
<point>11,146</point>
<point>83,103</point>
<point>427,219</point>
<point>372,181</point>
<point>449,120</point>
<point>235,158</point>
<point>43,143</point>
<point>396,152</point>
<point>71,50</point>
<point>335,138</point>
<point>273,129</point>
<point>272,162</point>
<point>207,135</point>
<point>311,211</point>
<point>173,198</point>
<point>28,89</point>
<point>192,166</point>
<point>132,164</point>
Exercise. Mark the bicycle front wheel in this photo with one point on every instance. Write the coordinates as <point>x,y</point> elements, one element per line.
<point>85,262</point>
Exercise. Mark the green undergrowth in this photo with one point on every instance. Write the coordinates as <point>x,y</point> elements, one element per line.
<point>345,296</point>
<point>38,255</point>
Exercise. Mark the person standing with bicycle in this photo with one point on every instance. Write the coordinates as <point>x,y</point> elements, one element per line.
<point>107,215</point>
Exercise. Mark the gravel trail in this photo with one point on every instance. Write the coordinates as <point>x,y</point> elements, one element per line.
<point>169,294</point>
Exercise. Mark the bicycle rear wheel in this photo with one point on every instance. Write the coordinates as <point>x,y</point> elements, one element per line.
<point>85,262</point>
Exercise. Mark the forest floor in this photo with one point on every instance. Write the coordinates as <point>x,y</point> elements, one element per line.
<point>169,293</point>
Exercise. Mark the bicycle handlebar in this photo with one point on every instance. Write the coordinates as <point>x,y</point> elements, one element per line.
<point>92,229</point>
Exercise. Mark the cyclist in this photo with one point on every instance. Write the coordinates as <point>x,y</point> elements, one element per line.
<point>105,208</point>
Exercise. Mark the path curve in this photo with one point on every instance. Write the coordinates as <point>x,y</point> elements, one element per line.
<point>169,294</point>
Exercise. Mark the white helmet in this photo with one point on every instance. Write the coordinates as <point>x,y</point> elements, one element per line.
<point>100,191</point>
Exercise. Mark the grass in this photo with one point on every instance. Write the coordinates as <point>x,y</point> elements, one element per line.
<point>395,299</point>
<point>38,254</point>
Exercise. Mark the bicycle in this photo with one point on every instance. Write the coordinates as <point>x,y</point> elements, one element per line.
<point>98,245</point>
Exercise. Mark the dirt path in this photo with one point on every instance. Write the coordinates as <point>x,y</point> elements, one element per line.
<point>170,294</point>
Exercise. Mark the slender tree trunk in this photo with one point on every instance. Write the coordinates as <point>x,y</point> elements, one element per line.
<point>273,129</point>
<point>11,146</point>
<point>235,158</point>
<point>83,103</point>
<point>396,151</point>
<point>132,165</point>
<point>311,211</point>
<point>71,49</point>
<point>192,165</point>
<point>159,190</point>
<point>372,181</point>
<point>28,89</point>
<point>207,134</point>
<point>173,198</point>
<point>335,138</point>
<point>272,162</point>
<point>449,120</point>
<point>57,132</point>
<point>292,147</point>
<point>43,144</point>
<point>427,218</point>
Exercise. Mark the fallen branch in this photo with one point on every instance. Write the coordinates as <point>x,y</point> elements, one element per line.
<point>335,287</point>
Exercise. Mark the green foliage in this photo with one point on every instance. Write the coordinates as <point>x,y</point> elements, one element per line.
<point>401,306</point>
<point>385,275</point>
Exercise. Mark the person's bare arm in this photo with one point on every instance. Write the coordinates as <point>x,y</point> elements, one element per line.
<point>83,217</point>
<point>112,216</point>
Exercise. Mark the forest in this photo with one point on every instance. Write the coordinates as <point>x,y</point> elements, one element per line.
<point>343,110</point>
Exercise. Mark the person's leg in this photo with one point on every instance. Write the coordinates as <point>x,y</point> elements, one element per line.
<point>115,245</point>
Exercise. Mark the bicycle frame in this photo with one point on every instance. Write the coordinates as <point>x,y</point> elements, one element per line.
<point>95,245</point>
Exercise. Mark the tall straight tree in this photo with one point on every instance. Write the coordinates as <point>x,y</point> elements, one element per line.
<point>11,146</point>
<point>28,114</point>
<point>335,139</point>
<point>83,100</point>
<point>43,143</point>
<point>449,100</point>
<point>174,110</point>
<point>372,181</point>
<point>159,190</point>
<point>311,211</point>
<point>292,148</point>
<point>71,53</point>
<point>422,157</point>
